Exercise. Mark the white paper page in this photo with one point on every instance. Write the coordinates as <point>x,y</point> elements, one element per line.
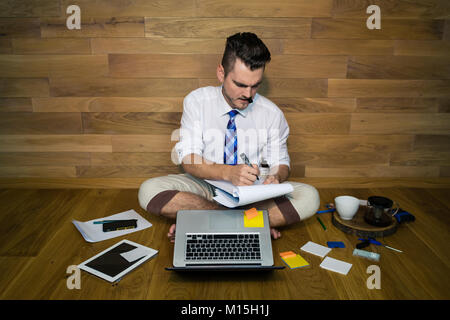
<point>316,249</point>
<point>224,185</point>
<point>336,265</point>
<point>255,193</point>
<point>94,232</point>
<point>135,254</point>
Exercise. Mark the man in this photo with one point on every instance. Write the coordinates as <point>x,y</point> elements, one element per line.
<point>220,123</point>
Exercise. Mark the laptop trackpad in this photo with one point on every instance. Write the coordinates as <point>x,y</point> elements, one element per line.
<point>224,220</point>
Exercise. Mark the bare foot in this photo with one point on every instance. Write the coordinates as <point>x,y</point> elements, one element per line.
<point>171,234</point>
<point>275,233</point>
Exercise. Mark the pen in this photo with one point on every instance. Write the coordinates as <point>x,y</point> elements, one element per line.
<point>378,243</point>
<point>247,162</point>
<point>325,211</point>
<point>106,221</point>
<point>321,223</point>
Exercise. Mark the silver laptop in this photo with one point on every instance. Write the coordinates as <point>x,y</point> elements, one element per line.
<point>219,240</point>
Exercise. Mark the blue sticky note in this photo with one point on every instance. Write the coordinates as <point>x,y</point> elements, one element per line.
<point>335,244</point>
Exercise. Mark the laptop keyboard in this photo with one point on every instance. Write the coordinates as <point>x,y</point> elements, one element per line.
<point>220,247</point>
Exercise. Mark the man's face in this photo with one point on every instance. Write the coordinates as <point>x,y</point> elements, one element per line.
<point>240,84</point>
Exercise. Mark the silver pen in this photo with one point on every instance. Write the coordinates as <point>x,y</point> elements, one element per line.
<point>247,162</point>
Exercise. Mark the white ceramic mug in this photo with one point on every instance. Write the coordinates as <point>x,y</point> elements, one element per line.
<point>346,206</point>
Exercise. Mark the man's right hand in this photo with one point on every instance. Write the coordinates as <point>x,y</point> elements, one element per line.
<point>242,174</point>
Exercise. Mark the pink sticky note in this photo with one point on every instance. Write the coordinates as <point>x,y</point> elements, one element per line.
<point>251,213</point>
<point>288,254</point>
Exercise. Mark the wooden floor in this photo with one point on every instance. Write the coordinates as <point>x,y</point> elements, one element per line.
<point>38,242</point>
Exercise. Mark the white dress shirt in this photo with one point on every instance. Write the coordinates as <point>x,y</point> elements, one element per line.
<point>261,128</point>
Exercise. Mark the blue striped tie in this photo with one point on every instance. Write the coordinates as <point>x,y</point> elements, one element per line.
<point>230,153</point>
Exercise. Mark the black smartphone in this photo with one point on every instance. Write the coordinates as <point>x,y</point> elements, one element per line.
<point>120,225</point>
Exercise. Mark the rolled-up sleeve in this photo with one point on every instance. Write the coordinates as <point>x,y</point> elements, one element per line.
<point>191,138</point>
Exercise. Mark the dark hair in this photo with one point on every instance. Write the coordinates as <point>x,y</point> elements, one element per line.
<point>247,47</point>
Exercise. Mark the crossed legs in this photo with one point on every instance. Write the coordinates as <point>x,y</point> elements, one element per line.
<point>169,194</point>
<point>191,201</point>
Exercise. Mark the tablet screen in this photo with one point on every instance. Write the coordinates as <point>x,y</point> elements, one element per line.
<point>111,262</point>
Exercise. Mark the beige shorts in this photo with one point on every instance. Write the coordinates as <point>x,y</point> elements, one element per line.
<point>154,193</point>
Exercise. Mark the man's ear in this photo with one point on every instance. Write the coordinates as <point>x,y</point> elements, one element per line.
<point>220,73</point>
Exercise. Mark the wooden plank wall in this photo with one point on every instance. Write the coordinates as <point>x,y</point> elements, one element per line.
<point>102,102</point>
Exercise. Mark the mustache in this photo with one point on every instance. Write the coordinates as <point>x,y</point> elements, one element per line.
<point>249,99</point>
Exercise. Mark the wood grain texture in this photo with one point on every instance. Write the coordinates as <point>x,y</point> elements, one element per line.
<point>339,47</point>
<point>398,105</point>
<point>223,27</point>
<point>54,159</point>
<point>398,29</point>
<point>430,142</point>
<point>103,104</point>
<point>316,123</point>
<point>350,143</point>
<point>37,172</point>
<point>163,66</point>
<point>22,87</point>
<point>44,123</point>
<point>374,171</point>
<point>253,8</point>
<point>55,143</point>
<point>372,88</point>
<point>344,159</point>
<point>303,66</point>
<point>55,66</point>
<point>29,8</point>
<point>138,8</point>
<point>131,123</point>
<point>125,171</point>
<point>396,123</point>
<point>130,87</point>
<point>315,105</point>
<point>50,46</point>
<point>382,67</point>
<point>5,46</point>
<point>20,27</point>
<point>122,26</point>
<point>16,105</point>
<point>422,48</point>
<point>143,143</point>
<point>28,248</point>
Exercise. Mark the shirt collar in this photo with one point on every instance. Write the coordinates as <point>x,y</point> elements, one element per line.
<point>224,107</point>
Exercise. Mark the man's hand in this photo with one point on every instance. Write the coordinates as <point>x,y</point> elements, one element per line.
<point>242,174</point>
<point>272,179</point>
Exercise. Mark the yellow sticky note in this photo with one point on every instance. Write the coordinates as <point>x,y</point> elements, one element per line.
<point>255,222</point>
<point>296,261</point>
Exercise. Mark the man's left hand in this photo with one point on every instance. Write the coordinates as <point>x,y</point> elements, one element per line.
<point>271,180</point>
